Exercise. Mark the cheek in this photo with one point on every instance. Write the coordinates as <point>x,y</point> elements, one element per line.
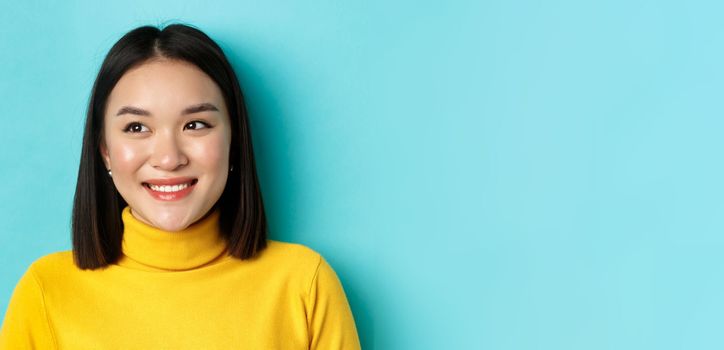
<point>127,157</point>
<point>212,154</point>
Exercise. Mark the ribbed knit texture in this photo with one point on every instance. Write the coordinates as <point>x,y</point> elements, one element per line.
<point>179,290</point>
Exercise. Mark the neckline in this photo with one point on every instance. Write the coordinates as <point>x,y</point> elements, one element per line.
<point>150,248</point>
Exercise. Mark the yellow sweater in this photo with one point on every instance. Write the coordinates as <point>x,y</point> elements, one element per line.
<point>179,290</point>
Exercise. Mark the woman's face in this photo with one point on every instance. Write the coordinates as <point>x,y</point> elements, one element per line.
<point>166,141</point>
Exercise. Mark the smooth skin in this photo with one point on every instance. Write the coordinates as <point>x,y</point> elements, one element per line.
<point>167,143</point>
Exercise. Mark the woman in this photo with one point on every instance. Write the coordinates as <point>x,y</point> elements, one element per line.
<point>169,232</point>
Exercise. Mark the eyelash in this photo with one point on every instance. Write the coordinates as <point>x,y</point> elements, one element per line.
<point>206,125</point>
<point>128,127</point>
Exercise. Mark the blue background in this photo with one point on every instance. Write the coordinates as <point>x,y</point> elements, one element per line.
<point>481,175</point>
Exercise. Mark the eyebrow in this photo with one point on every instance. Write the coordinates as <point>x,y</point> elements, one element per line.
<point>201,107</point>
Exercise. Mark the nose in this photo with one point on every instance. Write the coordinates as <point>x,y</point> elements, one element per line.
<point>166,153</point>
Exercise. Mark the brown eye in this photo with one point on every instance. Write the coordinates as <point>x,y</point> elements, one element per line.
<point>196,125</point>
<point>135,128</point>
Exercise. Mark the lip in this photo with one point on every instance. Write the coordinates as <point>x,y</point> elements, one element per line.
<point>170,196</point>
<point>169,181</point>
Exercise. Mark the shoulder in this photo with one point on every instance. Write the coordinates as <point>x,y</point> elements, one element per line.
<point>292,256</point>
<point>51,261</point>
<point>300,260</point>
<point>53,265</point>
<point>289,261</point>
<point>291,252</point>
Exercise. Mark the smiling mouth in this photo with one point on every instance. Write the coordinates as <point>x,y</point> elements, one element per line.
<point>170,188</point>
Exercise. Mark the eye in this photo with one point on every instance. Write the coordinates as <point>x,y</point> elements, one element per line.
<point>196,125</point>
<point>135,127</point>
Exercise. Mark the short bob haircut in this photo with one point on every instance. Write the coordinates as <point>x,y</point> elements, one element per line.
<point>97,228</point>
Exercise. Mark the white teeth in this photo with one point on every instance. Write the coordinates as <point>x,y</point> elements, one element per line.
<point>174,188</point>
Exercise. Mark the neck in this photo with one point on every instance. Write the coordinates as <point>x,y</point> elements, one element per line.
<point>150,248</point>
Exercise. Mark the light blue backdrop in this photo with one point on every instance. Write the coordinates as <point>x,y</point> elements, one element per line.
<point>481,175</point>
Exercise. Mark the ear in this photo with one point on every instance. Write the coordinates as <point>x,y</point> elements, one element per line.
<point>104,154</point>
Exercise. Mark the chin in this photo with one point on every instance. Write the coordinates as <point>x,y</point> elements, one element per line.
<point>171,226</point>
<point>164,217</point>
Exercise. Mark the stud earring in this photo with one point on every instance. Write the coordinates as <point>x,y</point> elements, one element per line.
<point>109,172</point>
<point>231,168</point>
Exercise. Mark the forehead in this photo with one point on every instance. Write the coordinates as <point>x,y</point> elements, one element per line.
<point>159,84</point>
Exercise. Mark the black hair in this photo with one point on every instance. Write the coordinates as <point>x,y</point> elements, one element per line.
<point>97,228</point>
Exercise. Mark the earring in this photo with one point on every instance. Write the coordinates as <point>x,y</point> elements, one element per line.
<point>109,172</point>
<point>231,168</point>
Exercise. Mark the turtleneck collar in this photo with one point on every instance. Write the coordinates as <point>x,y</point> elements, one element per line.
<point>150,248</point>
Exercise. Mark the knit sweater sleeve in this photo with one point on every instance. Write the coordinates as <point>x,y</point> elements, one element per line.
<point>25,325</point>
<point>330,319</point>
